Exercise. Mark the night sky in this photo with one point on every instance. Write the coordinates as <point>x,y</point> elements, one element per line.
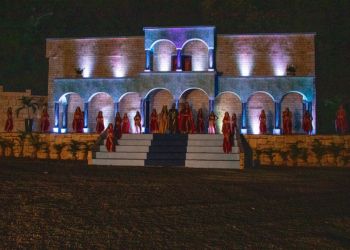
<point>24,26</point>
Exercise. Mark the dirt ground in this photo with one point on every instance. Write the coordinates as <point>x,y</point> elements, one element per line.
<point>71,205</point>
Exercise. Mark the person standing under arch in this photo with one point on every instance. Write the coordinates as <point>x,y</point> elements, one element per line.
<point>262,125</point>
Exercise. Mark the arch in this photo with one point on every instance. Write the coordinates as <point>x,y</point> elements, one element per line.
<point>130,103</point>
<point>297,92</point>
<point>263,92</point>
<point>192,88</point>
<point>73,100</point>
<point>100,101</point>
<point>160,97</point>
<point>155,89</point>
<point>161,40</point>
<point>162,55</point>
<point>199,54</point>
<point>230,92</point>
<point>227,102</point>
<point>197,98</point>
<point>294,101</point>
<point>256,102</point>
<point>194,39</point>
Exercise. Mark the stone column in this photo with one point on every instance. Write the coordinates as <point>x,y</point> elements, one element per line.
<point>116,108</point>
<point>177,104</point>
<point>64,118</point>
<point>211,59</point>
<point>148,60</point>
<point>244,118</point>
<point>57,117</point>
<point>146,115</point>
<point>211,105</point>
<point>142,112</point>
<point>277,129</point>
<point>178,60</point>
<point>86,117</point>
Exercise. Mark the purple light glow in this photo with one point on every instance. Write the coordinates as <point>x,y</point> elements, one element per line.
<point>279,60</point>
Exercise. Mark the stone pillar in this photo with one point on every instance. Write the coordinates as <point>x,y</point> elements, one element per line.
<point>86,117</point>
<point>309,107</point>
<point>244,118</point>
<point>277,129</point>
<point>64,118</point>
<point>178,60</point>
<point>146,109</point>
<point>211,59</point>
<point>116,108</point>
<point>148,65</point>
<point>56,117</point>
<point>211,105</point>
<point>177,104</point>
<point>142,112</point>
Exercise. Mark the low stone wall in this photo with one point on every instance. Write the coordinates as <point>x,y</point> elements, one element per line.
<point>50,139</point>
<point>270,146</point>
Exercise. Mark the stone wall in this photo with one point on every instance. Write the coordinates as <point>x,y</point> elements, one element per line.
<point>11,99</point>
<point>265,54</point>
<point>51,139</point>
<point>263,143</point>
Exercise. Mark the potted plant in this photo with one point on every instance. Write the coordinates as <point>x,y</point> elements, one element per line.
<point>29,104</point>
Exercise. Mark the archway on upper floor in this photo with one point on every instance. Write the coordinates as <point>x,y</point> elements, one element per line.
<point>163,52</point>
<point>228,102</point>
<point>129,104</point>
<point>293,101</point>
<point>195,53</point>
<point>73,100</point>
<point>100,101</point>
<point>197,98</point>
<point>256,103</point>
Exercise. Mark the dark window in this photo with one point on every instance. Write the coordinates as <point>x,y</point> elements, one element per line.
<point>185,60</point>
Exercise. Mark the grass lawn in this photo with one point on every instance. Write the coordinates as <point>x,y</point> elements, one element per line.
<point>51,205</point>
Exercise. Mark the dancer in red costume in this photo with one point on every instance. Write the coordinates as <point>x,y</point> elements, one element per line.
<point>44,121</point>
<point>226,130</point>
<point>262,125</point>
<point>9,121</point>
<point>100,126</point>
<point>234,127</point>
<point>287,122</point>
<point>163,120</point>
<point>200,122</point>
<point>137,122</point>
<point>192,129</point>
<point>307,123</point>
<point>186,126</point>
<point>78,121</point>
<point>126,124</point>
<point>212,123</point>
<point>118,125</point>
<point>154,129</point>
<point>341,123</point>
<point>110,145</point>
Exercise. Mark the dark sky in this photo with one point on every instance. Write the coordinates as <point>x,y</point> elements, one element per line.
<point>25,25</point>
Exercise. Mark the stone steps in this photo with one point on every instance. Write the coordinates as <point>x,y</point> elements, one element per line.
<point>195,151</point>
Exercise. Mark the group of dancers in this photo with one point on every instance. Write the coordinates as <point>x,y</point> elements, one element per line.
<point>44,121</point>
<point>287,122</point>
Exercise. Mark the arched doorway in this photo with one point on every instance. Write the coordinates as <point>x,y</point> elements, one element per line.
<point>228,102</point>
<point>100,102</point>
<point>197,52</point>
<point>163,50</point>
<point>257,102</point>
<point>197,99</point>
<point>293,101</point>
<point>130,103</point>
<point>67,106</point>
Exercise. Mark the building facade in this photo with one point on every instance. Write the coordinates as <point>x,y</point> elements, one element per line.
<point>241,74</point>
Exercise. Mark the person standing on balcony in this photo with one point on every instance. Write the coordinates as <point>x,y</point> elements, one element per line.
<point>99,123</point>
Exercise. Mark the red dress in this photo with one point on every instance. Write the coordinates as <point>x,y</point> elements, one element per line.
<point>287,122</point>
<point>307,123</point>
<point>341,123</point>
<point>186,126</point>
<point>78,121</point>
<point>99,123</point>
<point>44,122</point>
<point>110,145</point>
<point>262,125</point>
<point>154,122</point>
<point>118,126</point>
<point>126,125</point>
<point>200,123</point>
<point>226,130</point>
<point>9,121</point>
<point>234,124</point>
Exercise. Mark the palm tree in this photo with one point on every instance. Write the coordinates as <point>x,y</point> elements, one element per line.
<point>335,150</point>
<point>284,155</point>
<point>295,152</point>
<point>22,135</point>
<point>3,145</point>
<point>73,147</point>
<point>28,103</point>
<point>87,146</point>
<point>318,149</point>
<point>10,144</point>
<point>37,144</point>
<point>270,154</point>
<point>59,148</point>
